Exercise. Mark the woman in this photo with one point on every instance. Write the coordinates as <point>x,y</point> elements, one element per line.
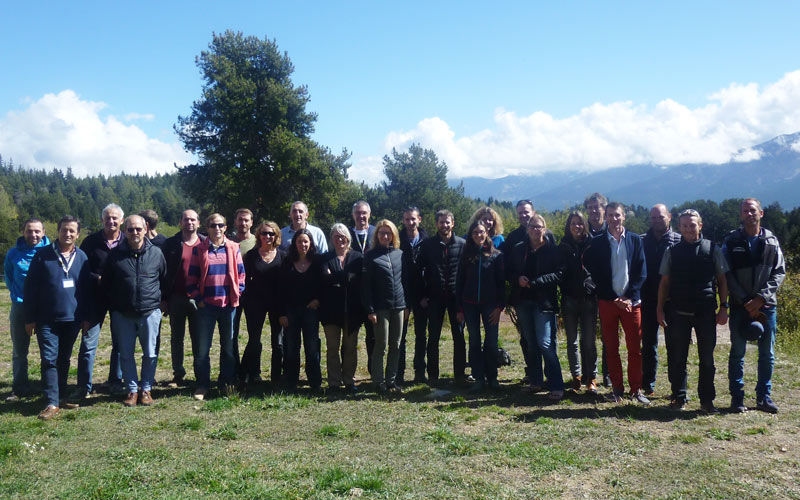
<point>340,309</point>
<point>54,307</point>
<point>537,270</point>
<point>383,297</point>
<point>300,289</point>
<point>579,304</point>
<point>262,267</point>
<point>480,289</point>
<point>215,282</point>
<point>492,222</point>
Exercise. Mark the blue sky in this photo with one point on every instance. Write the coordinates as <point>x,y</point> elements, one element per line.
<point>500,88</point>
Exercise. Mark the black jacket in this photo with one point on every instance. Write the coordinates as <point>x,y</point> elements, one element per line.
<point>481,280</point>
<point>297,289</point>
<point>653,253</point>
<point>262,281</point>
<point>382,285</point>
<point>340,298</point>
<point>574,284</point>
<point>438,264</point>
<point>410,265</point>
<point>134,280</point>
<point>356,245</point>
<point>597,260</point>
<point>173,254</point>
<point>94,246</point>
<point>543,268</point>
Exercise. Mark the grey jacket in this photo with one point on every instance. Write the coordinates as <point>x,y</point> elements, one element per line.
<point>756,272</point>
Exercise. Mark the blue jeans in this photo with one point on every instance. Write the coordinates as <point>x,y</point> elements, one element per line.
<point>87,354</point>
<point>207,317</point>
<point>739,319</point>
<point>55,346</point>
<point>128,329</point>
<point>303,329</point>
<point>20,344</point>
<point>483,360</point>
<point>539,328</point>
<point>531,354</point>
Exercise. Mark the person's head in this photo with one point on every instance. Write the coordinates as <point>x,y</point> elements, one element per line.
<point>361,213</point>
<point>216,225</point>
<point>615,216</point>
<point>411,218</point>
<point>268,234</point>
<point>243,220</point>
<point>33,231</point>
<point>298,214</point>
<point>750,212</point>
<point>444,223</point>
<point>340,237</point>
<point>189,221</point>
<point>135,229</point>
<point>595,206</point>
<point>491,219</point>
<point>69,228</point>
<point>576,226</point>
<point>112,216</point>
<point>150,218</point>
<point>478,234</point>
<point>660,218</point>
<point>386,234</point>
<point>537,228</point>
<point>302,245</point>
<point>524,211</point>
<point>690,224</point>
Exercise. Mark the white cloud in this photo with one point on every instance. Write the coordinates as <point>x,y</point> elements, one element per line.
<point>147,117</point>
<point>620,133</point>
<point>368,169</point>
<point>62,130</point>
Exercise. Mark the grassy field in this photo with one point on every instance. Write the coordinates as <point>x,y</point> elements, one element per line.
<point>443,444</point>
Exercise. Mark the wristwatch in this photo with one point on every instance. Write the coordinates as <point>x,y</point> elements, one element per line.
<point>725,305</point>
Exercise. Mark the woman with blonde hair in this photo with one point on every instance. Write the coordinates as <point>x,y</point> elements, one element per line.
<point>491,221</point>
<point>383,296</point>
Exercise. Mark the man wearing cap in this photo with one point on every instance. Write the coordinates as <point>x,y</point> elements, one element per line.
<point>757,270</point>
<point>690,273</point>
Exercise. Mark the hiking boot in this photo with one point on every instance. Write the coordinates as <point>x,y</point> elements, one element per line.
<point>146,399</point>
<point>765,404</point>
<point>737,405</point>
<point>131,400</point>
<point>49,412</point>
<point>709,408</point>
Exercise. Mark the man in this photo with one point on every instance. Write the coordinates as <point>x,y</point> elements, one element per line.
<point>362,231</point>
<point>243,221</point>
<point>690,271</point>
<point>97,247</point>
<point>411,237</point>
<point>298,215</point>
<point>133,281</point>
<point>524,213</point>
<point>655,241</point>
<point>151,219</point>
<point>15,269</point>
<point>439,258</point>
<point>757,270</point>
<point>615,259</point>
<point>595,206</point>
<point>178,254</point>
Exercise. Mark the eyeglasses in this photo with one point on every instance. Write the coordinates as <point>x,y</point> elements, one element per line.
<point>135,229</point>
<point>267,233</point>
<point>218,225</point>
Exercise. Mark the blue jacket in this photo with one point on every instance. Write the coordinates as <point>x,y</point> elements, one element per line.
<point>47,300</point>
<point>597,260</point>
<point>16,265</point>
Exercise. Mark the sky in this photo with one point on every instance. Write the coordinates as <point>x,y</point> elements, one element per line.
<point>494,88</point>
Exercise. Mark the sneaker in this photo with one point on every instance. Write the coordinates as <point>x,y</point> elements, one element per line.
<point>49,412</point>
<point>464,379</point>
<point>12,398</point>
<point>677,404</point>
<point>591,387</point>
<point>765,404</point>
<point>576,384</point>
<point>709,408</point>
<point>555,395</point>
<point>615,396</point>
<point>200,393</point>
<point>532,388</point>
<point>131,399</point>
<point>146,399</point>
<point>737,405</point>
<point>640,398</point>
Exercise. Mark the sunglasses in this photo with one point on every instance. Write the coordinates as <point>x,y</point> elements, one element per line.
<point>267,233</point>
<point>135,229</point>
<point>218,225</point>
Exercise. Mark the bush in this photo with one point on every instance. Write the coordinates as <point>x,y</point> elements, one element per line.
<point>788,334</point>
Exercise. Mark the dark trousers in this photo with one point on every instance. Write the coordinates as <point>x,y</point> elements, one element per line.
<point>55,347</point>
<point>369,340</point>
<point>436,310</point>
<point>251,357</point>
<point>678,340</point>
<point>420,345</point>
<point>180,312</point>
<point>303,330</point>
<point>649,345</point>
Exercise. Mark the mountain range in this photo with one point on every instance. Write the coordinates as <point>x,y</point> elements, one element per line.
<point>773,177</point>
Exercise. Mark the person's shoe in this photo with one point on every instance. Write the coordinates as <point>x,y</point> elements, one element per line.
<point>175,383</point>
<point>477,387</point>
<point>640,398</point>
<point>576,384</point>
<point>12,398</point>
<point>146,399</point>
<point>650,393</point>
<point>131,400</point>
<point>532,388</point>
<point>765,404</point>
<point>709,408</point>
<point>591,387</point>
<point>606,381</point>
<point>200,394</point>
<point>555,395</point>
<point>677,404</point>
<point>78,397</point>
<point>351,389</point>
<point>737,405</point>
<point>420,379</point>
<point>615,396</point>
<point>494,385</point>
<point>49,412</point>
<point>395,389</point>
<point>382,388</point>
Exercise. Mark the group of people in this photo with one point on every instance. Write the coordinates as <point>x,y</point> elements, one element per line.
<point>380,276</point>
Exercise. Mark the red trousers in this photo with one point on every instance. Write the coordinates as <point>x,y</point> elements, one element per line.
<point>610,317</point>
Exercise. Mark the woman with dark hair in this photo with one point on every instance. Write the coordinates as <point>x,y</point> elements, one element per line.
<point>480,290</point>
<point>300,286</point>
<point>260,299</point>
<point>340,308</point>
<point>579,304</point>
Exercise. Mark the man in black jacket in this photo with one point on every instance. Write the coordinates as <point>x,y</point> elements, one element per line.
<point>438,262</point>
<point>411,238</point>
<point>133,281</point>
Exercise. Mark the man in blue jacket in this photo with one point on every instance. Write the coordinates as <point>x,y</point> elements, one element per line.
<point>615,259</point>
<point>15,269</point>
